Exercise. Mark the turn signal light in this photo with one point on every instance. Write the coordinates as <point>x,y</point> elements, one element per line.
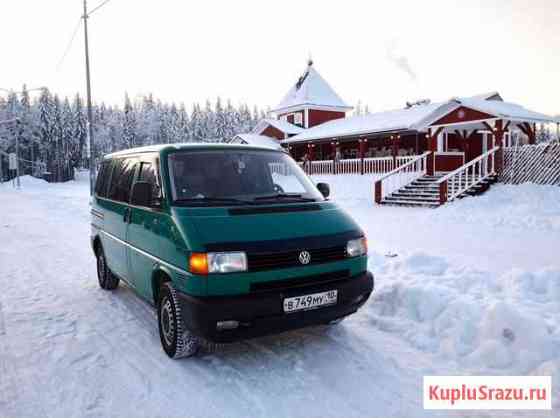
<point>198,263</point>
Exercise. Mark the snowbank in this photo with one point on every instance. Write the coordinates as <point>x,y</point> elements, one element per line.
<point>491,324</point>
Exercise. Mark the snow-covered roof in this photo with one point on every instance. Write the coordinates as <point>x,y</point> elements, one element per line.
<point>418,117</point>
<point>253,139</point>
<point>391,120</point>
<point>311,89</point>
<point>281,125</point>
<point>504,110</point>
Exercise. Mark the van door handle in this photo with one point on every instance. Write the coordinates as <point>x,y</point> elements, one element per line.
<point>126,217</point>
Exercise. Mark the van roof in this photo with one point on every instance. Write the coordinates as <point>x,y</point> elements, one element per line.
<point>190,145</point>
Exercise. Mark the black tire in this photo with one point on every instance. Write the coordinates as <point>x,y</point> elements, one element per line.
<point>107,280</point>
<point>177,341</point>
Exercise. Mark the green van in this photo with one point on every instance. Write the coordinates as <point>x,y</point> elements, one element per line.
<point>227,241</point>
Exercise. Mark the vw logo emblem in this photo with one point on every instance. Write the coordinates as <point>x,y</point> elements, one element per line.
<point>304,257</point>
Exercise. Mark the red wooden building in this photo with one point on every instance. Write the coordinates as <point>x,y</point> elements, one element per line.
<point>434,140</point>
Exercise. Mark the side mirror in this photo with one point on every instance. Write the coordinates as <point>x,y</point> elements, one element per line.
<point>141,194</point>
<point>324,189</point>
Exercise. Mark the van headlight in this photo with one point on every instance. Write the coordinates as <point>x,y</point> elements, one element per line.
<point>356,247</point>
<point>226,262</point>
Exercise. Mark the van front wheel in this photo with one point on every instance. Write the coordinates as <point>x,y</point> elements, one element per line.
<point>106,279</point>
<point>177,341</point>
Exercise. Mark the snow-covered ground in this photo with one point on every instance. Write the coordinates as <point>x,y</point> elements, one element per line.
<point>469,288</point>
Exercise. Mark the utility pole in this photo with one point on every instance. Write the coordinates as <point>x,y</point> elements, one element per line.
<point>17,152</point>
<point>91,146</point>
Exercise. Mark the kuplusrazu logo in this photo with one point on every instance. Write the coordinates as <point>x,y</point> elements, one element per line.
<point>487,392</point>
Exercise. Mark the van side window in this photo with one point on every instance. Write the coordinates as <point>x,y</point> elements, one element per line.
<point>148,174</point>
<point>121,180</point>
<point>103,179</point>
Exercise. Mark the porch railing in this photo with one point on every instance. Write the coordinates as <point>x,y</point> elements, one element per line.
<point>321,167</point>
<point>415,168</point>
<point>467,176</point>
<point>378,165</point>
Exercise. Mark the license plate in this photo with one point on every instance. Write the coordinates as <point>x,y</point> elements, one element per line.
<point>312,301</point>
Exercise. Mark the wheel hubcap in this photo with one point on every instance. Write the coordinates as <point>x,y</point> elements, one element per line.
<point>166,322</point>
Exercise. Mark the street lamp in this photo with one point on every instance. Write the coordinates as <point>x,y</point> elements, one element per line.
<point>17,121</point>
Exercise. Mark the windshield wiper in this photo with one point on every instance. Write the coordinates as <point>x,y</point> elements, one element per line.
<point>215,200</point>
<point>279,196</point>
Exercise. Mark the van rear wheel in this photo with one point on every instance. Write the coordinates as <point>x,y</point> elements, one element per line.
<point>107,280</point>
<point>177,341</point>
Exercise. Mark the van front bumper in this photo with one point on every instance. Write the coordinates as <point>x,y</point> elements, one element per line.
<point>263,313</point>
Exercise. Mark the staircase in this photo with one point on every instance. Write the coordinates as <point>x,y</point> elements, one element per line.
<point>424,191</point>
<point>411,185</point>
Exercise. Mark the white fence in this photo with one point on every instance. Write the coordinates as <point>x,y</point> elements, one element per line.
<point>356,165</point>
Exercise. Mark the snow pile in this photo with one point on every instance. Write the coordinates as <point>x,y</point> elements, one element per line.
<point>490,324</point>
<point>25,181</point>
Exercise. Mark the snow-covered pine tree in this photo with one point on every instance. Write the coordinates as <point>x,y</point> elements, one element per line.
<point>208,123</point>
<point>196,124</point>
<point>46,124</point>
<point>80,130</point>
<point>232,121</point>
<point>129,124</point>
<point>68,145</point>
<point>220,122</point>
<point>183,124</point>
<point>173,130</point>
<point>55,147</point>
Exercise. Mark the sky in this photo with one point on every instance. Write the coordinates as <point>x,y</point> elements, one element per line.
<point>382,53</point>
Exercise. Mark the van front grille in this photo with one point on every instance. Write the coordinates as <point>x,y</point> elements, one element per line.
<point>333,277</point>
<point>286,259</point>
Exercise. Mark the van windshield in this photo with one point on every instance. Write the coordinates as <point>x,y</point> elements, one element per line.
<point>238,177</point>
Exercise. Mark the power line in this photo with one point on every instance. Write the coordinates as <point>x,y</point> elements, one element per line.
<point>98,7</point>
<point>67,50</point>
<point>75,32</point>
